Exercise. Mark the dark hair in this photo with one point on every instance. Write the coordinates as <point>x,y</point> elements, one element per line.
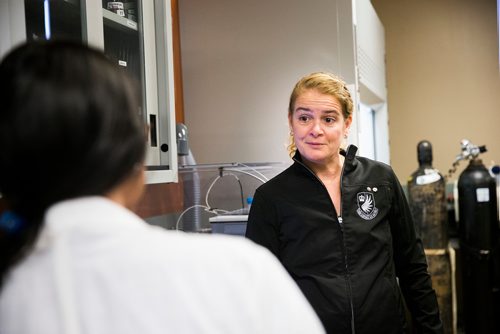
<point>69,127</point>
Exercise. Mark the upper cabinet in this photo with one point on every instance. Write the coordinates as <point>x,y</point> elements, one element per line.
<point>373,117</point>
<point>370,50</point>
<point>134,34</point>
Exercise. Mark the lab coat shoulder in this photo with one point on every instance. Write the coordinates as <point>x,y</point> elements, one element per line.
<point>122,275</point>
<point>240,279</point>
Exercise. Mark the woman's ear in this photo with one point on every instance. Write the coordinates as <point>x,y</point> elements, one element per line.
<point>347,125</point>
<point>348,122</point>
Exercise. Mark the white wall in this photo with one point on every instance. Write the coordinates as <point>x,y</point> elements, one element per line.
<point>240,60</point>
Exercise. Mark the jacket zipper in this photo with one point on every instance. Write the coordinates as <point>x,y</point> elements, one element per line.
<point>344,248</point>
<point>348,276</point>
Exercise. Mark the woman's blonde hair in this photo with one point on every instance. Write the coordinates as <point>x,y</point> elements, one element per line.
<point>325,83</point>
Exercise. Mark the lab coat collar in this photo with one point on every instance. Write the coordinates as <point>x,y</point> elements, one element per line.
<point>86,215</point>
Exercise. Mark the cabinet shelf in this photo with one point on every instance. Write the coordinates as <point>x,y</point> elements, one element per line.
<point>118,22</point>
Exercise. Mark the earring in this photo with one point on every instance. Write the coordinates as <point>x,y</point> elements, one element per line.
<point>345,135</point>
<point>291,133</point>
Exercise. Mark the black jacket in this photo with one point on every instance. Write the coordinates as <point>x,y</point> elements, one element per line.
<point>346,263</point>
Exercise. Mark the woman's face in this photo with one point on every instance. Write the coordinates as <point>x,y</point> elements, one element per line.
<point>318,126</point>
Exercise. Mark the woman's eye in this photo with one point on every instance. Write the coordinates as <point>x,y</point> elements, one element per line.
<point>303,118</point>
<point>329,120</point>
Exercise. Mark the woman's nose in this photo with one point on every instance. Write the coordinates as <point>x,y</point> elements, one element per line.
<point>316,129</point>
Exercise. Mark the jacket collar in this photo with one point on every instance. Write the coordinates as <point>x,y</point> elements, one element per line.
<point>350,157</point>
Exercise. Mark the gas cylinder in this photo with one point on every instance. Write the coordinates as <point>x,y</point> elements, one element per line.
<point>478,234</point>
<point>427,200</point>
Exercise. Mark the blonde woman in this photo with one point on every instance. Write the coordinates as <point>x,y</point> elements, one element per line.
<point>340,224</point>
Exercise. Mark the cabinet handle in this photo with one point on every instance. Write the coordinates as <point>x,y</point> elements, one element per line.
<point>152,131</point>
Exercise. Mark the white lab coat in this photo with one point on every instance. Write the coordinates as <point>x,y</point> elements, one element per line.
<point>99,269</point>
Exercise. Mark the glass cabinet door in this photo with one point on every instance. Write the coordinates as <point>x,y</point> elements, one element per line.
<point>123,36</point>
<point>123,43</point>
<point>135,34</point>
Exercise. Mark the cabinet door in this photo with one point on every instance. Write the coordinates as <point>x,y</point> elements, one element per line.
<point>136,34</point>
<point>160,35</point>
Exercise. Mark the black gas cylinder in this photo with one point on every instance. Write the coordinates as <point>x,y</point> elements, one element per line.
<point>478,234</point>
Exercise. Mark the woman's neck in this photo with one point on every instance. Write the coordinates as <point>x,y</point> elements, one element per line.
<point>328,170</point>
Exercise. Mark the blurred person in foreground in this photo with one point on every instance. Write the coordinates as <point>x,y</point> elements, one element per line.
<point>73,257</point>
<point>340,223</point>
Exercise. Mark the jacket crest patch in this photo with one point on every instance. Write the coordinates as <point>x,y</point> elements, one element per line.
<point>366,205</point>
